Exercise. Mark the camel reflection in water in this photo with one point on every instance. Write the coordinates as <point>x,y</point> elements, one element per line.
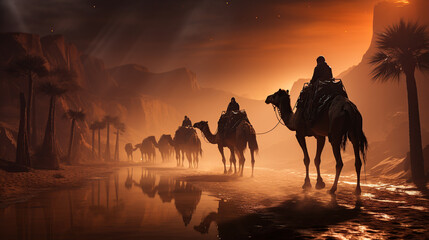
<point>226,212</point>
<point>186,197</point>
<point>105,203</point>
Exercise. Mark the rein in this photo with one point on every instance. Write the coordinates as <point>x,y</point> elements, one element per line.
<point>277,113</point>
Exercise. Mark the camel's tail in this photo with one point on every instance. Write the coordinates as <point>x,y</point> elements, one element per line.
<point>246,135</point>
<point>253,144</point>
<point>355,127</point>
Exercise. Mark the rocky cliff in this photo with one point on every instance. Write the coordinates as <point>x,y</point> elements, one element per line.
<point>98,95</point>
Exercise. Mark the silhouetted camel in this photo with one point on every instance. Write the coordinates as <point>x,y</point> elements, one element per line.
<point>236,141</point>
<point>165,147</point>
<point>340,121</point>
<point>186,142</point>
<point>129,150</point>
<point>147,149</point>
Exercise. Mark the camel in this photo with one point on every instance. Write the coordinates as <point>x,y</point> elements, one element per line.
<point>339,122</point>
<point>236,142</point>
<point>186,142</point>
<point>129,150</point>
<point>165,147</point>
<point>147,149</point>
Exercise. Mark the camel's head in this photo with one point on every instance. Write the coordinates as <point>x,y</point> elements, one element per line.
<point>276,98</point>
<point>201,125</point>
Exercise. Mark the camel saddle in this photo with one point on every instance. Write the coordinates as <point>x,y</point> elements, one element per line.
<point>229,121</point>
<point>183,134</point>
<point>315,99</point>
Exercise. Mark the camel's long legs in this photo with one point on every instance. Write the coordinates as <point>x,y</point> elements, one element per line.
<point>252,155</point>
<point>241,160</point>
<point>196,160</point>
<point>178,157</point>
<point>223,158</point>
<point>320,144</point>
<point>301,141</point>
<point>337,153</point>
<point>189,157</point>
<point>232,161</point>
<point>358,165</point>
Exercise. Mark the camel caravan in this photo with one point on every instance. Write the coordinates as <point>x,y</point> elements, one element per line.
<point>234,132</point>
<point>322,110</point>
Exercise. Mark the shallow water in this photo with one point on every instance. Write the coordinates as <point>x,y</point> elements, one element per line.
<point>129,204</point>
<point>152,203</point>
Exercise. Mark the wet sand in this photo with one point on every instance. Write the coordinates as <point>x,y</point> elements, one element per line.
<point>22,186</point>
<point>272,205</point>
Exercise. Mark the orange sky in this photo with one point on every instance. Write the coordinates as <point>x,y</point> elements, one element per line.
<point>248,47</point>
<point>256,61</point>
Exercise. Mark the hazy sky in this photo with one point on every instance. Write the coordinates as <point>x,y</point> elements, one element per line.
<point>249,47</point>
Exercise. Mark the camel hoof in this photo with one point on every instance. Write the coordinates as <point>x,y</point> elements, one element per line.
<point>225,172</point>
<point>307,185</point>
<point>332,191</point>
<point>320,184</point>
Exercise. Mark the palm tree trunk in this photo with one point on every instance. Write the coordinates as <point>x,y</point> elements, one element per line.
<point>22,153</point>
<point>48,156</point>
<point>29,102</point>
<point>117,146</point>
<point>416,152</point>
<point>34,138</point>
<point>107,154</point>
<point>93,147</point>
<point>99,144</point>
<point>71,141</point>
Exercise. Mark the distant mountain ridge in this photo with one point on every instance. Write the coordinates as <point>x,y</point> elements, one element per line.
<point>149,103</point>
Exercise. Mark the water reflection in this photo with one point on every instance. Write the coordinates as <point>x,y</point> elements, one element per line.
<point>227,211</point>
<point>152,206</point>
<point>186,197</point>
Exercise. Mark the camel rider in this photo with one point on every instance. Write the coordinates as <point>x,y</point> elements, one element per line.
<point>233,106</point>
<point>186,122</point>
<point>322,72</point>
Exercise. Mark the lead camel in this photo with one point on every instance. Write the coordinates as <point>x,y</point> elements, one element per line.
<point>340,121</point>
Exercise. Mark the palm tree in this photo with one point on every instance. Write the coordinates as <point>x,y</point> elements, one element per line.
<point>120,127</point>
<point>108,120</point>
<point>100,125</point>
<point>93,127</point>
<point>29,67</point>
<point>403,48</point>
<point>48,157</point>
<point>22,153</point>
<point>74,116</point>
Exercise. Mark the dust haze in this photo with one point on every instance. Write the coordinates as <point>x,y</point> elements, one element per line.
<point>140,67</point>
